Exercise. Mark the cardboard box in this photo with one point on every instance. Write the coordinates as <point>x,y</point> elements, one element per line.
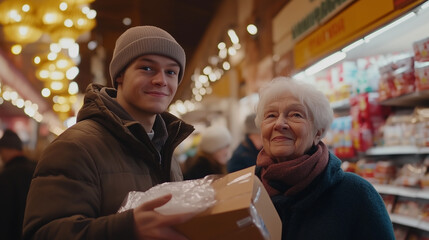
<point>243,211</point>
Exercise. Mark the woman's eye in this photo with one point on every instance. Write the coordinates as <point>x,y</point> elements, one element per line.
<point>297,115</point>
<point>269,115</point>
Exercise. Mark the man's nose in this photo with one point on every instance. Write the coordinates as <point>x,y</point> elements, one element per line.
<point>160,79</point>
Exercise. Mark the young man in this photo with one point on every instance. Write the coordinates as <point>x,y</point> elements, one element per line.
<point>15,180</point>
<point>123,141</point>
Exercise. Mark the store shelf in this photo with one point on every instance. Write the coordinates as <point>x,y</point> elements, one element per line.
<point>409,221</point>
<point>396,150</point>
<point>341,105</point>
<point>402,191</point>
<point>409,100</point>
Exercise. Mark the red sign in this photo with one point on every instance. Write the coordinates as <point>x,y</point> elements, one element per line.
<point>402,3</point>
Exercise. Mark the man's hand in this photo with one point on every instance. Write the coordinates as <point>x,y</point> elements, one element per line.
<point>150,224</point>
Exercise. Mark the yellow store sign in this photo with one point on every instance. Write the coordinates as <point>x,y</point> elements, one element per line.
<point>352,23</point>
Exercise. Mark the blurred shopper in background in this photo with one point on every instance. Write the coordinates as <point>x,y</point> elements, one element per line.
<point>15,181</point>
<point>245,154</point>
<point>313,196</point>
<point>212,154</point>
<point>123,141</point>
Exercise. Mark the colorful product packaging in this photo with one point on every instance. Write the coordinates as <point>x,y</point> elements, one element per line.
<point>421,49</point>
<point>421,72</point>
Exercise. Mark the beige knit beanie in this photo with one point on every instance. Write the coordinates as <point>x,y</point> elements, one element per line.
<point>215,138</point>
<point>144,40</point>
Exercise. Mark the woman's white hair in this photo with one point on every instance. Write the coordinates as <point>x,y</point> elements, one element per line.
<point>314,100</point>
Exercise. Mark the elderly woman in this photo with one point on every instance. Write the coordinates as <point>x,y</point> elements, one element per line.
<point>313,196</point>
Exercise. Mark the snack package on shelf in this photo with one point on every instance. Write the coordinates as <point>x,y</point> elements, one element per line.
<point>421,68</point>
<point>378,136</point>
<point>422,126</point>
<point>410,207</point>
<point>392,133</point>
<point>403,75</point>
<point>384,172</point>
<point>361,134</point>
<point>342,91</point>
<point>404,80</point>
<point>367,117</point>
<point>410,174</point>
<point>341,78</point>
<point>397,77</point>
<point>401,232</point>
<point>403,60</point>
<point>421,72</point>
<point>362,137</point>
<point>366,169</point>
<point>415,234</point>
<point>348,166</point>
<point>424,181</point>
<point>386,87</point>
<point>364,76</point>
<point>424,215</point>
<point>389,201</point>
<point>376,172</point>
<point>341,141</point>
<point>421,50</point>
<point>368,76</point>
<point>401,129</point>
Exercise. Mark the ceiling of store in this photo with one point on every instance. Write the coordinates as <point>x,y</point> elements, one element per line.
<point>397,40</point>
<point>186,20</point>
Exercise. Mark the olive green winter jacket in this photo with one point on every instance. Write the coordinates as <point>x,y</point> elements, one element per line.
<point>86,172</point>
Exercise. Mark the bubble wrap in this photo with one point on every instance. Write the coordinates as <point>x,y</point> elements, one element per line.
<point>191,196</point>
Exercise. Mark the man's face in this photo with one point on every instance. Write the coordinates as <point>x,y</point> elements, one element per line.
<point>148,85</point>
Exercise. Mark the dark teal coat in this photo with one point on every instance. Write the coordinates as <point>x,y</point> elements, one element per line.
<point>336,205</point>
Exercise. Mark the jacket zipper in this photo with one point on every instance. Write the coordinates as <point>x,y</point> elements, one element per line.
<point>177,133</point>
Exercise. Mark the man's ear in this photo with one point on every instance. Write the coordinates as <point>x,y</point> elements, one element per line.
<point>120,78</point>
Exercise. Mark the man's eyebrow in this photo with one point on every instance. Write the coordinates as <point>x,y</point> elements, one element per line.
<point>172,64</point>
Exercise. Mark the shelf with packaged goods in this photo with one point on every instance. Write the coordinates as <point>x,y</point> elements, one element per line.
<point>397,150</point>
<point>402,191</point>
<point>420,98</point>
<point>341,105</point>
<point>409,221</point>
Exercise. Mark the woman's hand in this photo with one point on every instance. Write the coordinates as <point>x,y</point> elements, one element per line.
<point>150,224</point>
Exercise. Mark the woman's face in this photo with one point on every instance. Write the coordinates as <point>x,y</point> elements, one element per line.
<point>287,128</point>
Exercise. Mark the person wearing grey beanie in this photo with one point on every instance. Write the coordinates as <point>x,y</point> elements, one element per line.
<point>145,40</point>
<point>123,141</point>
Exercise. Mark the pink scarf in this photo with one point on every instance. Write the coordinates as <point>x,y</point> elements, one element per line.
<point>297,173</point>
